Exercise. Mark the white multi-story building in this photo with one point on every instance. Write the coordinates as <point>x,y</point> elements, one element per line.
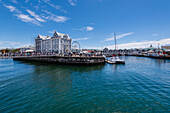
<point>58,43</point>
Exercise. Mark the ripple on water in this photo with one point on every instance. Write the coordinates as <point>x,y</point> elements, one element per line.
<point>142,85</point>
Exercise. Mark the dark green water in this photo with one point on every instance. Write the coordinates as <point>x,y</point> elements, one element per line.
<point>142,85</point>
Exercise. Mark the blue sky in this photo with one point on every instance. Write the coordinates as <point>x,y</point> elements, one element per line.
<point>137,23</point>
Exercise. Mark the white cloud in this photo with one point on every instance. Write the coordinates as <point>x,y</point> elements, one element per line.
<point>155,35</point>
<point>35,16</point>
<point>55,6</point>
<point>118,36</point>
<point>26,1</point>
<point>54,17</point>
<point>72,2</point>
<point>14,1</point>
<point>86,28</point>
<point>10,44</point>
<point>11,8</point>
<point>88,47</point>
<point>27,19</point>
<point>89,28</point>
<point>58,18</point>
<point>23,17</point>
<point>80,39</point>
<point>143,44</point>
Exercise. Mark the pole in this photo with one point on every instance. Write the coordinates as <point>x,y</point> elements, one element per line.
<point>115,42</point>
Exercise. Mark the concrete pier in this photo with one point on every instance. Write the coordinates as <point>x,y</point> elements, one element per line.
<point>63,59</point>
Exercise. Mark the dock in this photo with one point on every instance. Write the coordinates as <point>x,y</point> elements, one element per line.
<point>76,60</point>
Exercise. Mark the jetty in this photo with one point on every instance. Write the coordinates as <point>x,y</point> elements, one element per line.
<point>77,60</point>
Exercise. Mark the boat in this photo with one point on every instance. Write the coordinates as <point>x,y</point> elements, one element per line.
<point>115,58</point>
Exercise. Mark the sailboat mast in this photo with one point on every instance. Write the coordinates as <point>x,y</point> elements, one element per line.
<point>115,43</point>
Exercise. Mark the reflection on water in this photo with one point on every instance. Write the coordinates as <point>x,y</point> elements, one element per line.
<point>160,62</point>
<point>141,85</point>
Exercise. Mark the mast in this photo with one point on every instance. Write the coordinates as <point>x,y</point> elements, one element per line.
<point>115,42</point>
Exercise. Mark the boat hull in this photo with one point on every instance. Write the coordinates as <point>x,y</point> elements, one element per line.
<point>115,62</point>
<point>120,62</point>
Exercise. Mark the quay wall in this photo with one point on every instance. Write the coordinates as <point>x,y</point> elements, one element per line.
<point>156,57</point>
<point>63,59</point>
<point>137,55</point>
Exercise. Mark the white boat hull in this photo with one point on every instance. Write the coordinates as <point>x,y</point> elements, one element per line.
<point>115,60</point>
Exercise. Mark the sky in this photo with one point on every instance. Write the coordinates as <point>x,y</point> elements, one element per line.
<point>137,23</point>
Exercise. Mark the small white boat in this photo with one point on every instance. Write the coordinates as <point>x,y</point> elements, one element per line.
<point>115,60</point>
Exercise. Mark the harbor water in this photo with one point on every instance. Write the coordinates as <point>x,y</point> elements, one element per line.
<point>141,85</point>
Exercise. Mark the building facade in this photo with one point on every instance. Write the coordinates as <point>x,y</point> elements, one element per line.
<point>24,49</point>
<point>58,43</point>
<point>166,47</point>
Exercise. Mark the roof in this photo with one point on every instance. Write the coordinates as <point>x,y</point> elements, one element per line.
<point>42,36</point>
<point>49,37</point>
<point>60,34</point>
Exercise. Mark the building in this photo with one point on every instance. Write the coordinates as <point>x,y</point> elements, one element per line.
<point>166,47</point>
<point>24,49</point>
<point>58,43</point>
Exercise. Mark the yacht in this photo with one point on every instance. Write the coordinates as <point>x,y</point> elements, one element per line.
<point>115,58</point>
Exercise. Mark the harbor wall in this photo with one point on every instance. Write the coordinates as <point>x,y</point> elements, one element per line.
<point>63,59</point>
<point>156,57</point>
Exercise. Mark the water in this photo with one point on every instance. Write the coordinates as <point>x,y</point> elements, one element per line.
<point>142,85</point>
